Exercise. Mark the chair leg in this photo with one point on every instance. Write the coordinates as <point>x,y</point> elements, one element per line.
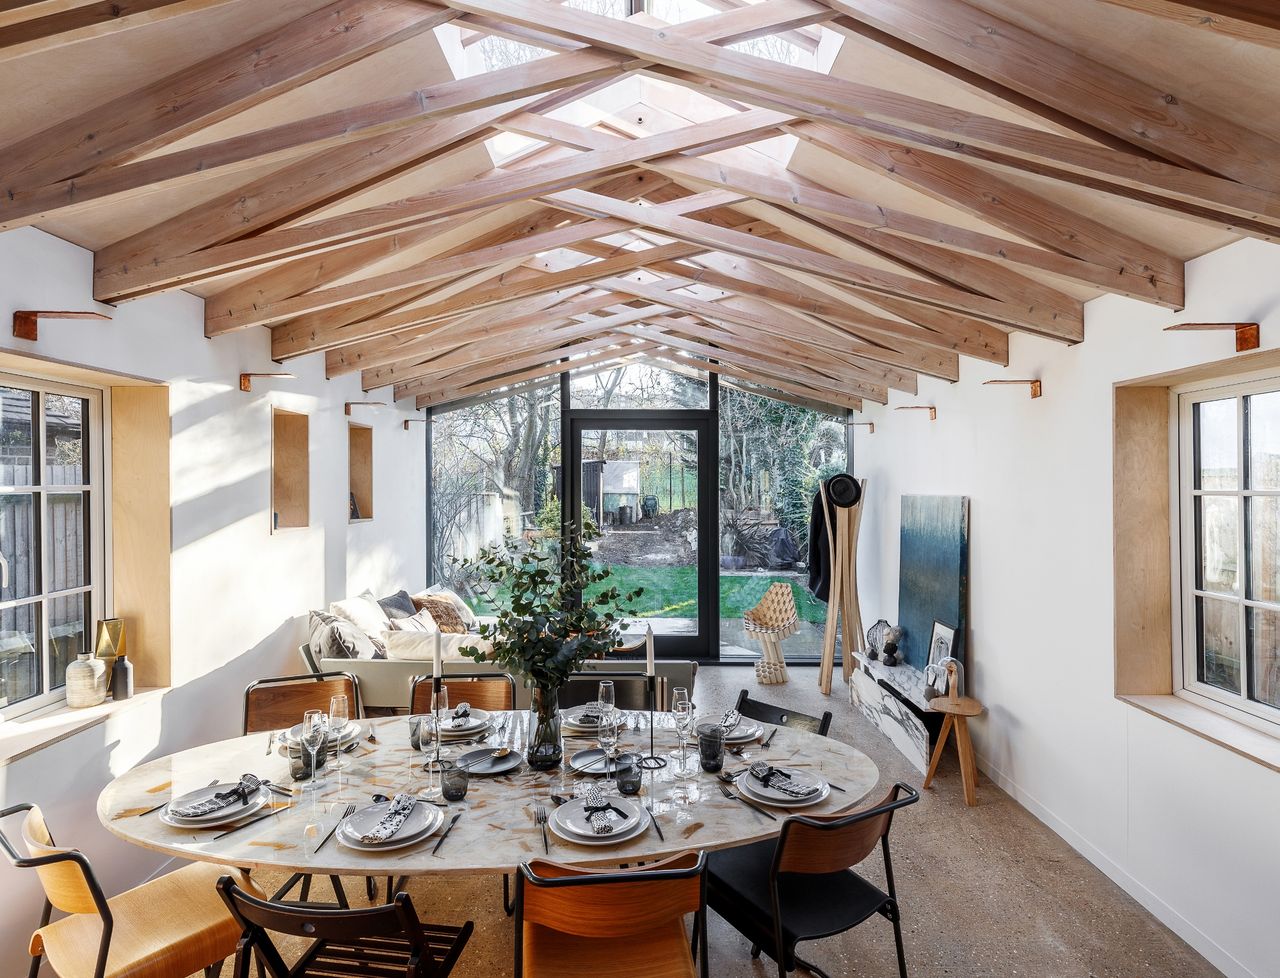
<point>812,968</point>
<point>215,969</point>
<point>896,917</point>
<point>370,888</point>
<point>755,951</point>
<point>507,903</point>
<point>35,966</point>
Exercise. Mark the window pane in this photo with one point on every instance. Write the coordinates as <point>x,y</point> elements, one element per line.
<point>640,387</point>
<point>1264,652</point>
<point>1217,628</point>
<point>15,436</point>
<point>19,572</point>
<point>67,540</point>
<point>66,440</point>
<point>1264,548</point>
<point>67,638</point>
<point>1217,534</point>
<point>1216,447</point>
<point>1263,419</point>
<point>19,654</point>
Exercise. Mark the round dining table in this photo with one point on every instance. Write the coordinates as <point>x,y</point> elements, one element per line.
<point>497,829</point>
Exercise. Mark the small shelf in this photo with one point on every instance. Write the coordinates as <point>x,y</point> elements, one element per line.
<point>360,471</point>
<point>290,470</point>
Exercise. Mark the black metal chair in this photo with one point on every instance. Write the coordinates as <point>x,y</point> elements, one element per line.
<point>768,713</point>
<point>802,886</point>
<point>384,940</point>
<point>576,921</point>
<point>630,689</point>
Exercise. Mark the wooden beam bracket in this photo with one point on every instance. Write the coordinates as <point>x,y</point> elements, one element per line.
<point>933,411</point>
<point>24,320</point>
<point>246,379</point>
<point>409,421</point>
<point>869,425</point>
<point>1248,335</point>
<point>347,406</point>
<point>1037,388</point>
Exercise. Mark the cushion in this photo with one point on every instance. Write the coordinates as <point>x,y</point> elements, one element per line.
<point>398,605</point>
<point>445,615</point>
<point>420,621</point>
<point>336,638</point>
<point>421,646</point>
<point>438,591</point>
<point>363,611</point>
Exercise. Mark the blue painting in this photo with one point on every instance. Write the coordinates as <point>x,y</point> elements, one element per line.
<point>933,577</point>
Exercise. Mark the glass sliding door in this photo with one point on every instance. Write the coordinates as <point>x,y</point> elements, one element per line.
<point>640,495</point>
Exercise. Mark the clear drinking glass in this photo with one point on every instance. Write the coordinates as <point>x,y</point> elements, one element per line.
<point>607,734</point>
<point>682,711</point>
<point>315,731</point>
<point>339,717</point>
<point>606,696</point>
<point>440,710</point>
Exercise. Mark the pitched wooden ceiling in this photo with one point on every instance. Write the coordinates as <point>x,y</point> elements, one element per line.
<point>824,197</point>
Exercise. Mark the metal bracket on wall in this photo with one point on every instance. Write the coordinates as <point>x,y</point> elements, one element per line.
<point>1036,388</point>
<point>246,380</point>
<point>1248,335</point>
<point>933,411</point>
<point>25,320</point>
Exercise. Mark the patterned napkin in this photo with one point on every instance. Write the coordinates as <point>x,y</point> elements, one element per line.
<point>597,810</point>
<point>590,715</point>
<point>461,715</point>
<point>401,807</point>
<point>780,780</point>
<point>246,789</point>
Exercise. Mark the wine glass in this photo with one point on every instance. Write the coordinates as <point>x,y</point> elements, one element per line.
<point>607,734</point>
<point>440,710</point>
<point>339,717</point>
<point>315,731</point>
<point>682,711</point>
<point>605,695</point>
<point>429,743</point>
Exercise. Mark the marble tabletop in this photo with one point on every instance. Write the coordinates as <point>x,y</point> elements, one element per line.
<point>496,832</point>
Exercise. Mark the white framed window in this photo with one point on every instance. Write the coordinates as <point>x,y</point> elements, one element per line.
<point>52,551</point>
<point>1228,492</point>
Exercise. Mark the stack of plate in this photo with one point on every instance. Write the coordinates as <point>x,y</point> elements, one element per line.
<point>569,822</point>
<point>754,790</point>
<point>472,726</point>
<point>223,816</point>
<point>349,733</point>
<point>581,719</point>
<point>421,822</point>
<point>745,731</point>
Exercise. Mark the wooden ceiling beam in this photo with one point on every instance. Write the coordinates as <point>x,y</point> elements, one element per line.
<point>747,382</point>
<point>1255,21</point>
<point>1163,122</point>
<point>48,29</point>
<point>214,89</point>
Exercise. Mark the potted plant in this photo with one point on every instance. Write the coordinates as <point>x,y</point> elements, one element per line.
<point>551,619</point>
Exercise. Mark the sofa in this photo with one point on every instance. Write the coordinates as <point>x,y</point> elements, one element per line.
<point>350,638</point>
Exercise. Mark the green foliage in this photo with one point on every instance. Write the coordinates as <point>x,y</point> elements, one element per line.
<point>548,519</point>
<point>544,630</point>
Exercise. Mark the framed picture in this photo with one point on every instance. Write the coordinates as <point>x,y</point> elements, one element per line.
<point>941,641</point>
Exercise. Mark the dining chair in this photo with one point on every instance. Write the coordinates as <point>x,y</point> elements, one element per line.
<point>483,690</point>
<point>576,921</point>
<point>279,703</point>
<point>382,940</point>
<point>802,885</point>
<point>170,927</point>
<point>768,713</point>
<point>630,689</point>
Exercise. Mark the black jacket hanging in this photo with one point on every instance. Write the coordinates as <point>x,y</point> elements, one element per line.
<point>844,491</point>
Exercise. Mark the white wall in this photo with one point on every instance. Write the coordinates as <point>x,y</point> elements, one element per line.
<point>240,594</point>
<point>1186,827</point>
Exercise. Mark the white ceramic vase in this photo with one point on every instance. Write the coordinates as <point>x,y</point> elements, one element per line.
<point>86,681</point>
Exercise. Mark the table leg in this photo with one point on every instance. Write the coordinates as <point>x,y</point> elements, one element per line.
<point>968,768</point>
<point>937,750</point>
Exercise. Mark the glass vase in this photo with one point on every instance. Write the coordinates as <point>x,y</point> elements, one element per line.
<point>545,747</point>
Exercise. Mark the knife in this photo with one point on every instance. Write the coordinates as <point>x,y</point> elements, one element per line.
<point>658,828</point>
<point>769,738</point>
<point>452,822</point>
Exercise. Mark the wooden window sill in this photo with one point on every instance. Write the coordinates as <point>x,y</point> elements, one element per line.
<point>21,736</point>
<point>1237,737</point>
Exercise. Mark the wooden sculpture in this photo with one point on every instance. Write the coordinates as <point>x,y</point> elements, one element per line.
<point>772,620</point>
<point>843,612</point>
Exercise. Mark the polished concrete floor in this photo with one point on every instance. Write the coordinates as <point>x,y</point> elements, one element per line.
<point>987,891</point>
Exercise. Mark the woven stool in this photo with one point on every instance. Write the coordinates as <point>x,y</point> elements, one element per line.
<point>772,620</point>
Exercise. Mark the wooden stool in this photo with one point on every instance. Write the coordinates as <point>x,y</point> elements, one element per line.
<point>771,620</point>
<point>958,709</point>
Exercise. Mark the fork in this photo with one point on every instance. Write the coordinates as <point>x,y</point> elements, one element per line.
<point>345,815</point>
<point>724,790</point>
<point>540,818</point>
<point>163,803</point>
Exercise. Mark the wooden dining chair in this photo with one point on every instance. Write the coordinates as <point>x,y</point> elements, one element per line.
<point>483,690</point>
<point>170,927</point>
<point>387,940</point>
<point>576,921</point>
<point>768,713</point>
<point>281,702</point>
<point>802,886</point>
<point>630,689</point>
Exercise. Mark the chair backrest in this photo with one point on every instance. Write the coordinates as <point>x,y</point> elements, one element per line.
<point>775,611</point>
<point>396,920</point>
<point>485,691</point>
<point>274,704</point>
<point>768,713</point>
<point>64,873</point>
<point>308,658</point>
<point>830,843</point>
<point>610,903</point>
<point>630,690</point>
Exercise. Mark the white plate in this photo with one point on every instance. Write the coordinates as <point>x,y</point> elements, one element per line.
<point>294,734</point>
<point>221,816</point>
<point>591,761</point>
<point>745,731</point>
<point>754,790</point>
<point>477,720</point>
<point>422,821</point>
<point>573,818</point>
<point>569,719</point>
<point>481,762</point>
<point>613,839</point>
